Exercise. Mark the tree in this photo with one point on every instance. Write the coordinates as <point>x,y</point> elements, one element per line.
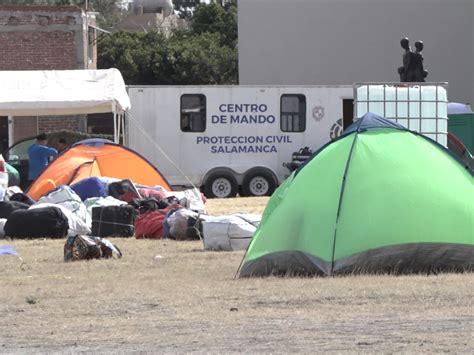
<point>110,12</point>
<point>215,18</point>
<point>201,60</point>
<point>182,59</point>
<point>120,51</point>
<point>204,54</point>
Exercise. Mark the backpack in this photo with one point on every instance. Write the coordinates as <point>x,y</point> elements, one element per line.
<point>82,247</point>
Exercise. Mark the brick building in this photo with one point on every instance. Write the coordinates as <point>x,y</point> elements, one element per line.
<point>39,37</point>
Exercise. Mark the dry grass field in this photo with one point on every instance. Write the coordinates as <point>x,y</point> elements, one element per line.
<point>167,296</point>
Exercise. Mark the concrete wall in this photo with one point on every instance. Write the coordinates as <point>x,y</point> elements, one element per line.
<point>345,41</point>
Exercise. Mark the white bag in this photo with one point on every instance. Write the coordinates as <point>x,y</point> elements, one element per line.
<point>252,218</point>
<point>11,191</point>
<point>178,223</point>
<point>193,198</point>
<point>65,197</point>
<point>2,227</point>
<point>227,233</point>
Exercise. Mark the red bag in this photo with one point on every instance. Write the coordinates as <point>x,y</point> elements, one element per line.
<point>150,224</point>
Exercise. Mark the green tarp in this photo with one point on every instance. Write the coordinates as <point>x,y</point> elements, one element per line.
<point>378,199</point>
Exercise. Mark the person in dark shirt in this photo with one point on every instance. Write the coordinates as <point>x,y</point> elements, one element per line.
<point>62,145</point>
<point>39,155</point>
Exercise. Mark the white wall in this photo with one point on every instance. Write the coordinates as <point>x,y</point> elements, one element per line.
<point>297,42</point>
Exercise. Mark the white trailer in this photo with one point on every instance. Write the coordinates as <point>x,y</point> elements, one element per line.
<point>230,139</point>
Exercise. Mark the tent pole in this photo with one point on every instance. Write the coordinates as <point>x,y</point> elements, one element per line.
<point>117,134</point>
<point>341,193</point>
<point>122,119</point>
<point>115,127</point>
<point>115,122</point>
<point>120,126</point>
<point>11,127</point>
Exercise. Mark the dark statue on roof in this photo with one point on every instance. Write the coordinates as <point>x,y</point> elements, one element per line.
<point>412,69</point>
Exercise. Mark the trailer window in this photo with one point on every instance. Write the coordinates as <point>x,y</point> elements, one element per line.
<point>193,113</point>
<point>293,113</point>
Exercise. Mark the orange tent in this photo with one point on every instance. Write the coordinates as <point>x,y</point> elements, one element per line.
<point>96,157</point>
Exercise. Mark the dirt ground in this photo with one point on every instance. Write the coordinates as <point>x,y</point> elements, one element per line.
<point>167,296</point>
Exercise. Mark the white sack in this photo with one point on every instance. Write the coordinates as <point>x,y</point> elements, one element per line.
<point>178,223</point>
<point>11,191</point>
<point>252,218</point>
<point>193,198</point>
<point>2,227</point>
<point>67,198</point>
<point>227,233</point>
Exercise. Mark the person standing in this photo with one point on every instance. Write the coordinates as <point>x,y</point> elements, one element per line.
<point>39,155</point>
<point>62,145</point>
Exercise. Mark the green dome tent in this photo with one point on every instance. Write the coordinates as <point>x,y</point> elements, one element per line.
<point>380,198</point>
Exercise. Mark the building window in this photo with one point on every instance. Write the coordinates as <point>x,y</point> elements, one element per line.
<point>193,113</point>
<point>293,113</point>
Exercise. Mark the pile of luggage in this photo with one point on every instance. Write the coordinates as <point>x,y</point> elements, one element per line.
<point>101,207</point>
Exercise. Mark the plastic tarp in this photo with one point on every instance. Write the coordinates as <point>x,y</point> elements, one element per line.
<point>62,92</point>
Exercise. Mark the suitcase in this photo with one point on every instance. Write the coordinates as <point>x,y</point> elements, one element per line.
<point>116,221</point>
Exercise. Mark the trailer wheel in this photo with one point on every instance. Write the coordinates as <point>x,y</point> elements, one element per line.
<point>258,182</point>
<point>221,185</point>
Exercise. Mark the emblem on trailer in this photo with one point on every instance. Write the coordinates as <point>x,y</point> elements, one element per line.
<point>318,113</point>
<point>336,129</point>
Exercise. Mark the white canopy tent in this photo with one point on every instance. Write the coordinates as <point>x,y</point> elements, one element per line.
<point>64,92</point>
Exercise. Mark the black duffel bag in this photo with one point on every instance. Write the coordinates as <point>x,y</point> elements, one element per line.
<point>47,222</point>
<point>8,207</point>
<point>21,197</point>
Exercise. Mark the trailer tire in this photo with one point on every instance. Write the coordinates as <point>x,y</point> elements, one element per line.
<point>221,185</point>
<point>259,182</point>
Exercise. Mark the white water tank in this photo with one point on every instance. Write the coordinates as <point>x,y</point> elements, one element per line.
<point>419,107</point>
<point>153,6</point>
